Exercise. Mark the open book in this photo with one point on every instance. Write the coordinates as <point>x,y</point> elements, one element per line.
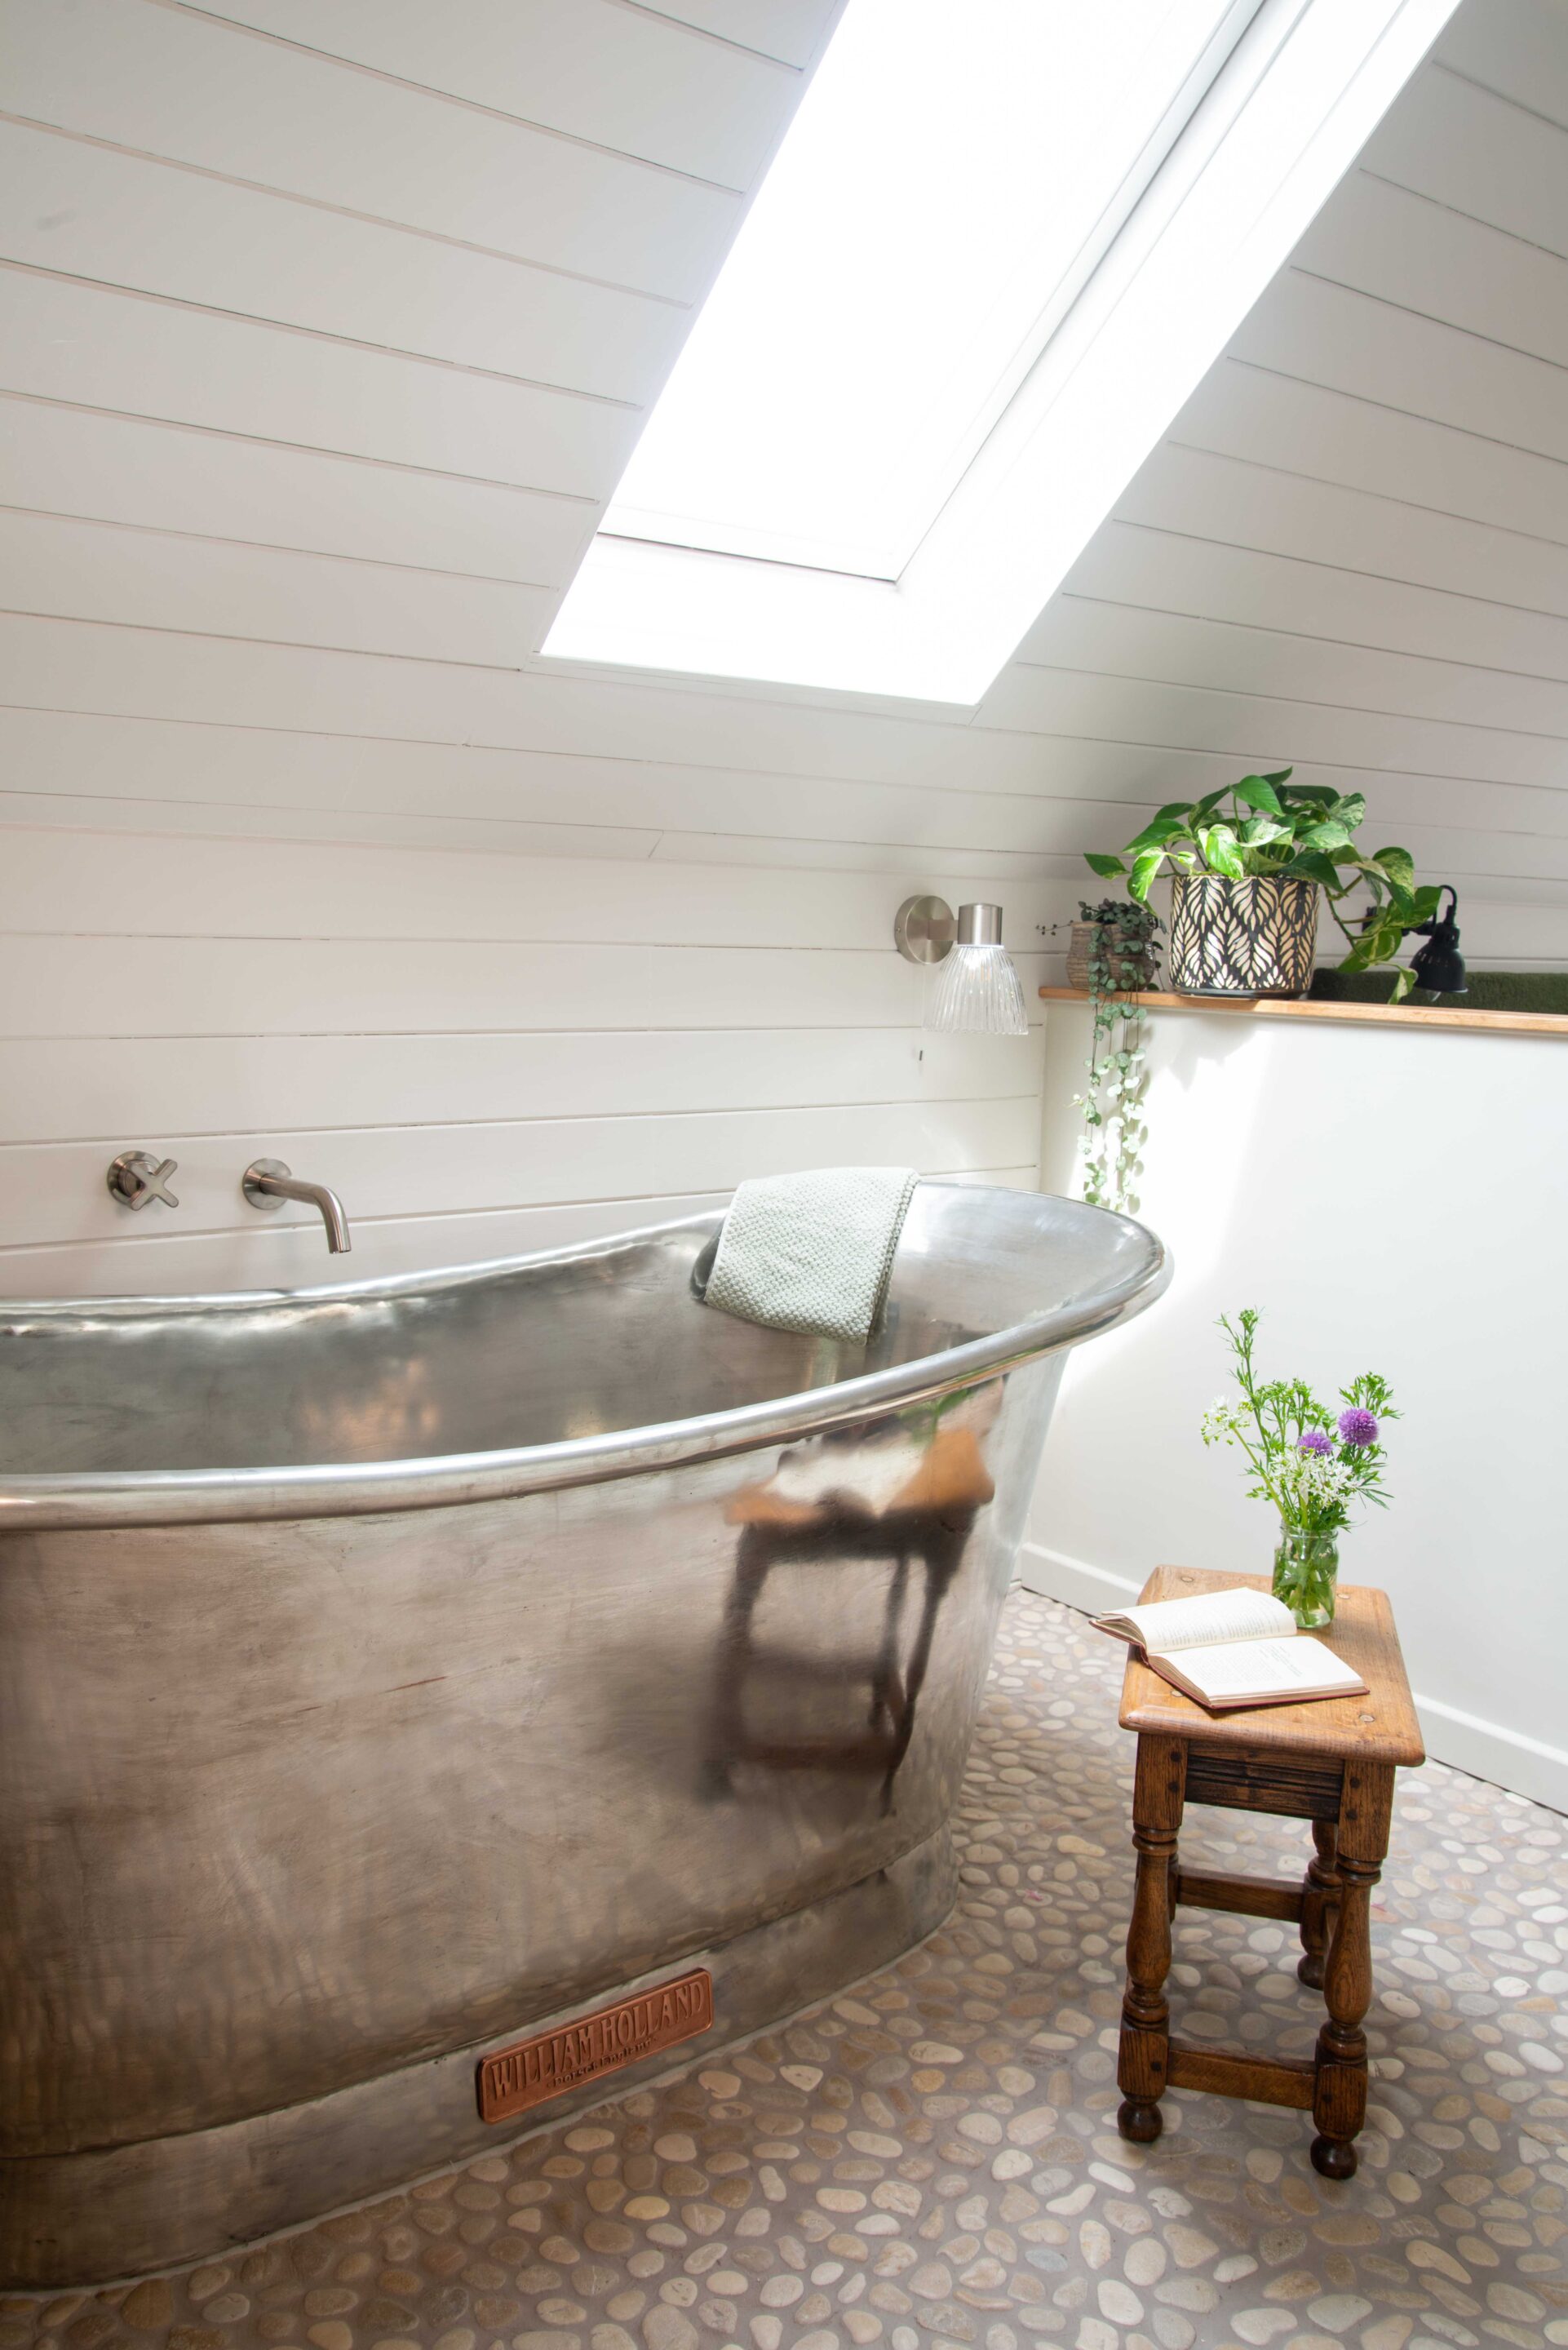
<point>1230,1648</point>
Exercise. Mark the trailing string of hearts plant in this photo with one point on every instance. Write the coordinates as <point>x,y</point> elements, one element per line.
<point>1122,956</point>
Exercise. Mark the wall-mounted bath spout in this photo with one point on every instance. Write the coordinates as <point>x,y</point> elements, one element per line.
<point>267,1183</point>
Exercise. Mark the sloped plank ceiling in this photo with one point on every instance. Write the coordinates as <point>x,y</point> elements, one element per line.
<point>332,326</point>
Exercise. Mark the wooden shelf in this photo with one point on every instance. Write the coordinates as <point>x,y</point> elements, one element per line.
<point>1307,1007</point>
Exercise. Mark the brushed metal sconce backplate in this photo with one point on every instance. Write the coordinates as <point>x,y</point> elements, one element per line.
<point>924,930</point>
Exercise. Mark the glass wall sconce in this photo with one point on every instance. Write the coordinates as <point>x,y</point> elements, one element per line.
<point>977,991</point>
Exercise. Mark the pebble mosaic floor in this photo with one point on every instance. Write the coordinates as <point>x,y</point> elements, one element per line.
<point>932,2160</point>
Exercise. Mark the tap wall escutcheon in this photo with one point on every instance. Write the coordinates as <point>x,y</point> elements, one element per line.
<point>268,1182</point>
<point>136,1176</point>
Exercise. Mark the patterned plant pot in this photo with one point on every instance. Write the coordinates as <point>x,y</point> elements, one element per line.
<point>1241,938</point>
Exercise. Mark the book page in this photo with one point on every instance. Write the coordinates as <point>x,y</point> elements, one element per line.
<point>1168,1626</point>
<point>1267,1668</point>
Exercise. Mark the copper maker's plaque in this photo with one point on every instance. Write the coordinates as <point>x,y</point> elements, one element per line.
<point>551,2063</point>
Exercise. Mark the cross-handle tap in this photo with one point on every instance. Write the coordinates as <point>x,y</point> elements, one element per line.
<point>136,1176</point>
<point>267,1183</point>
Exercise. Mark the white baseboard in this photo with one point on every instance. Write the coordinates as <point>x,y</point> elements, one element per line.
<point>1057,1577</point>
<point>1486,1749</point>
<point>1526,1766</point>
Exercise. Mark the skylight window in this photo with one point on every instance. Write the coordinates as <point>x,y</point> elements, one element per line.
<point>1002,243</point>
<point>954,172</point>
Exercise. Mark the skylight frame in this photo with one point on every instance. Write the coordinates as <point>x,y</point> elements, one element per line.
<point>1305,85</point>
<point>858,551</point>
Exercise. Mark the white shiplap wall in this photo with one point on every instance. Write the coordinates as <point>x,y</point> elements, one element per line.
<point>330,329</point>
<point>329,326</point>
<point>483,1055</point>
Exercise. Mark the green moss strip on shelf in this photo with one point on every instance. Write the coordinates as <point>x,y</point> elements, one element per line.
<point>1489,991</point>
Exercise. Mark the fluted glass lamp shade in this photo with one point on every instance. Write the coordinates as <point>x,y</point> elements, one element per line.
<point>976,988</point>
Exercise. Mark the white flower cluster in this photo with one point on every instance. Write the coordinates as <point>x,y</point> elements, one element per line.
<point>1317,1482</point>
<point>1220,1424</point>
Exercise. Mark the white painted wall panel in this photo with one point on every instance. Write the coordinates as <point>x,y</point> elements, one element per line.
<point>787,29</point>
<point>1333,335</point>
<point>208,774</point>
<point>101,1089</point>
<point>1276,511</point>
<point>450,1041</point>
<point>197,890</point>
<point>1432,260</point>
<point>1238,656</point>
<point>1318,598</point>
<point>1230,613</point>
<point>120,469</point>
<point>1531,863</point>
<point>186,87</point>
<point>64,768</point>
<point>1251,726</point>
<point>1513,46</point>
<point>484,921</point>
<point>75,986</point>
<point>1250,415</point>
<point>45,663</point>
<point>55,1192</point>
<point>1401,1148</point>
<point>1366,630</point>
<point>1470,150</point>
<point>86,212</point>
<point>646,88</point>
<point>106,349</point>
<point>162,580</point>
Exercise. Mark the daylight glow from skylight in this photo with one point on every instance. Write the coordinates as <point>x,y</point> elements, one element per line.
<point>958,321</point>
<point>955,170</point>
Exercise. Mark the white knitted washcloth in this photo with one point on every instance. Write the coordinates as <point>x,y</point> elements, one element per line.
<point>812,1252</point>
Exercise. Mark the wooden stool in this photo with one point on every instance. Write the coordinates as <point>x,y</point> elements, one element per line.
<point>1332,1762</point>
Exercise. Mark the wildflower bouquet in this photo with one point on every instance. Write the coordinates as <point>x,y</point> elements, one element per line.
<point>1314,1465</point>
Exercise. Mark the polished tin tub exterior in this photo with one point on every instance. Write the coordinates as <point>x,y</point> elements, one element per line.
<point>394,1670</point>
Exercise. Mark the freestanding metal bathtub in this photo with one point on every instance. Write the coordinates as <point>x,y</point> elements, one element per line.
<point>393,1669</point>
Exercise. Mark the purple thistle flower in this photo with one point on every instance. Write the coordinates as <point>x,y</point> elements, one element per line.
<point>1318,1440</point>
<point>1358,1426</point>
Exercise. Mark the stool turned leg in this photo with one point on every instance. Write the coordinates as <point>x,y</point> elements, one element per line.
<point>1339,2091</point>
<point>1319,1888</point>
<point>1146,2018</point>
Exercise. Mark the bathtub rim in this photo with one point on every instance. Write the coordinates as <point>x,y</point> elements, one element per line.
<point>51,1501</point>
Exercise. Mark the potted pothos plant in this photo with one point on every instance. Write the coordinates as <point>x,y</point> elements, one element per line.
<point>1247,863</point>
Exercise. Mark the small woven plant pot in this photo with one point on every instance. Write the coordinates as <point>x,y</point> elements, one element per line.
<point>1132,965</point>
<point>1241,938</point>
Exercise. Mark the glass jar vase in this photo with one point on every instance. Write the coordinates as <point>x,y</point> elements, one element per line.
<point>1306,1567</point>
